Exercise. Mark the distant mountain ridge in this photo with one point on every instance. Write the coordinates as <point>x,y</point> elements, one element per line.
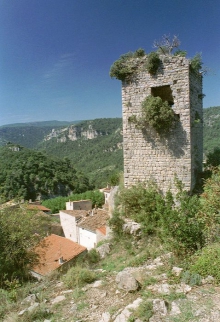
<point>30,134</point>
<point>40,123</point>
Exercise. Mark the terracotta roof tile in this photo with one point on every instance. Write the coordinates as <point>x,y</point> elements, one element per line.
<point>94,222</point>
<point>38,207</point>
<point>50,249</point>
<point>102,230</point>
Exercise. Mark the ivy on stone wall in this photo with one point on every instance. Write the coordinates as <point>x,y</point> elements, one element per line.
<point>156,114</point>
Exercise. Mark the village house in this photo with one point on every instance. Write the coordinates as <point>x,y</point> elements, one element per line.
<point>106,192</point>
<point>69,220</point>
<point>84,227</point>
<point>55,253</point>
<point>92,229</point>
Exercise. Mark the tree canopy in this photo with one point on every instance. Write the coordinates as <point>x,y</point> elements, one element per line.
<point>27,174</point>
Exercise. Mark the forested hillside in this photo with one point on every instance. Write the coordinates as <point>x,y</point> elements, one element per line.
<point>95,146</point>
<point>100,157</point>
<point>27,174</point>
<point>28,134</point>
<point>211,128</point>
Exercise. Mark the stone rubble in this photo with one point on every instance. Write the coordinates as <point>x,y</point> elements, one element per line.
<point>106,302</point>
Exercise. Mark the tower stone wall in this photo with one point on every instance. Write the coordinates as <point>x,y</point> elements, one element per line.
<point>150,156</point>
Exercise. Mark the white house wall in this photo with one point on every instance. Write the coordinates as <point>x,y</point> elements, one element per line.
<point>68,223</point>
<point>87,238</point>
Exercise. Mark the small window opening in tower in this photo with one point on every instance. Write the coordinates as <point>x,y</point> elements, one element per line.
<point>164,92</point>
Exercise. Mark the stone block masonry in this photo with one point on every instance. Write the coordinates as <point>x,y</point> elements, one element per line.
<point>150,156</point>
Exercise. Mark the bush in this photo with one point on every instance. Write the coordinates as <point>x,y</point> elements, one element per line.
<point>196,63</point>
<point>207,262</point>
<point>181,53</point>
<point>20,231</point>
<point>144,312</point>
<point>157,114</point>
<point>213,158</point>
<point>191,278</point>
<point>143,205</point>
<point>153,63</point>
<point>124,67</point>
<point>139,53</point>
<point>209,213</point>
<point>78,276</point>
<point>180,223</point>
<point>93,256</point>
<point>116,223</point>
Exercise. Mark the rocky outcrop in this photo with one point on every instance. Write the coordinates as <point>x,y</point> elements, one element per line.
<point>73,133</point>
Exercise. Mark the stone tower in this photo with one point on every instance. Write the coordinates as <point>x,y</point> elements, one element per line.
<point>148,155</point>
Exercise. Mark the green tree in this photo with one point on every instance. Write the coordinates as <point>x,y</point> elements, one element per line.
<point>20,230</point>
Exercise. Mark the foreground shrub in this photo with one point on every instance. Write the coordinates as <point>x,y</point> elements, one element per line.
<point>142,204</point>
<point>180,223</point>
<point>20,231</point>
<point>209,212</point>
<point>191,278</point>
<point>185,223</point>
<point>177,223</point>
<point>207,262</point>
<point>93,256</point>
<point>78,276</point>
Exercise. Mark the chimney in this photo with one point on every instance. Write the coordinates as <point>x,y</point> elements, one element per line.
<point>61,261</point>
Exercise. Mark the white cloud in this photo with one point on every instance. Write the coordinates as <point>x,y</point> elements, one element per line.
<point>64,62</point>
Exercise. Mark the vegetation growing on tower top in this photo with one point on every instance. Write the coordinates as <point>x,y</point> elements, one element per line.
<point>127,65</point>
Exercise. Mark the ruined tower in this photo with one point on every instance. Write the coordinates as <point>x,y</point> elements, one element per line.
<point>148,155</point>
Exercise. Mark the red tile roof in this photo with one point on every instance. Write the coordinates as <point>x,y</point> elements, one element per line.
<point>38,207</point>
<point>102,230</point>
<point>51,249</point>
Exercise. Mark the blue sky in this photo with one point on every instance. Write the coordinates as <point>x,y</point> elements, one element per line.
<point>55,55</point>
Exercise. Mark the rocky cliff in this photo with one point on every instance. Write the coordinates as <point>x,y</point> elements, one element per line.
<point>74,132</point>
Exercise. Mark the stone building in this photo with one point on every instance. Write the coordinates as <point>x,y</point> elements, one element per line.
<point>148,155</point>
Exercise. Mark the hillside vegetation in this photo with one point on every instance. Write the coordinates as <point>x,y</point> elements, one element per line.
<point>27,174</point>
<point>100,157</point>
<point>211,128</point>
<point>94,147</point>
<point>169,268</point>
